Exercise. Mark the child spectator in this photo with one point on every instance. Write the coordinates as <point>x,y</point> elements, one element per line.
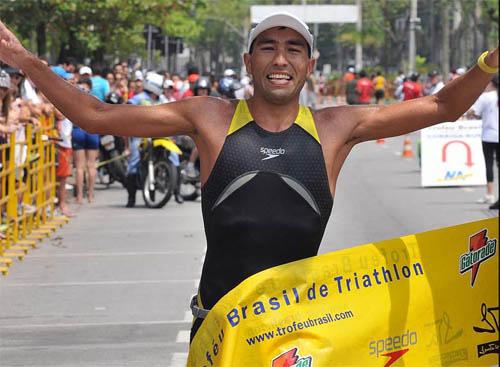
<point>64,154</point>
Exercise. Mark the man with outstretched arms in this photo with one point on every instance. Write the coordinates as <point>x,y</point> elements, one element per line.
<point>268,166</point>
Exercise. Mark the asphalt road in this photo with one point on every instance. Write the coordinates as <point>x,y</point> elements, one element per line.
<point>112,287</point>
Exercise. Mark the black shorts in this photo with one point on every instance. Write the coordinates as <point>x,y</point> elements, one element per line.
<point>379,94</point>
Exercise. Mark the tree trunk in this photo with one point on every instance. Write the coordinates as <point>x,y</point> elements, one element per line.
<point>41,39</point>
<point>445,59</point>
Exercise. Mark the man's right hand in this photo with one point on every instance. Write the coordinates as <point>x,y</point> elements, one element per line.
<point>11,50</point>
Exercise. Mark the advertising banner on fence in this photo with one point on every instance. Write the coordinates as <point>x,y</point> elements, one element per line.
<point>452,154</point>
<point>429,299</point>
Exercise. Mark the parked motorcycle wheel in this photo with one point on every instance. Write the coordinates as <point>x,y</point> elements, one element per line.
<point>104,177</point>
<point>165,178</point>
<point>189,191</point>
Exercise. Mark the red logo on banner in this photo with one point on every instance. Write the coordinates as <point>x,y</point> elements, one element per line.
<point>287,359</point>
<point>480,249</point>
<point>394,356</point>
<point>291,358</point>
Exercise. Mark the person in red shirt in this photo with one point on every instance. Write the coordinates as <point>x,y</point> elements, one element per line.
<point>364,88</point>
<point>193,76</point>
<point>412,88</point>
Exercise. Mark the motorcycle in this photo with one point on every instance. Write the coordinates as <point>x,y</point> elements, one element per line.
<point>157,174</point>
<point>112,164</point>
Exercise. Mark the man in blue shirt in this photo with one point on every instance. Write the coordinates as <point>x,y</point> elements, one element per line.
<point>65,69</point>
<point>100,86</point>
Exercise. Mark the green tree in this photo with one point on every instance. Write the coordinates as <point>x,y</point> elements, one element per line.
<point>95,28</point>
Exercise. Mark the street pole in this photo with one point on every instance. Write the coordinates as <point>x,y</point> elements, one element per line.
<point>359,27</point>
<point>445,61</point>
<point>177,52</point>
<point>167,56</point>
<point>412,47</point>
<point>150,39</point>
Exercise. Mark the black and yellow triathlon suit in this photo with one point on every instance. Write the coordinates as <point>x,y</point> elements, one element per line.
<point>266,202</point>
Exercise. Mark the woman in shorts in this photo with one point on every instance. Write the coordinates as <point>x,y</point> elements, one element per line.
<point>86,149</point>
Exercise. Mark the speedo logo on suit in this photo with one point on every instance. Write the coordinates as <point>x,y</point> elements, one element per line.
<point>271,153</point>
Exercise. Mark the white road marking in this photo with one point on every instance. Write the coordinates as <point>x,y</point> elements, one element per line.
<point>178,360</point>
<point>188,316</point>
<point>183,336</point>
<point>107,254</point>
<point>91,324</point>
<point>468,189</point>
<point>110,282</point>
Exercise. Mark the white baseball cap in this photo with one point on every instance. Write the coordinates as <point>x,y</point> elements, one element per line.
<point>85,70</point>
<point>168,84</point>
<point>138,75</point>
<point>282,19</point>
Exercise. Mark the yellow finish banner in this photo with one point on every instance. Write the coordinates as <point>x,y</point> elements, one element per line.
<point>429,299</point>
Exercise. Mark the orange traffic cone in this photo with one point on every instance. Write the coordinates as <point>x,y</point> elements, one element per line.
<point>380,141</point>
<point>407,150</point>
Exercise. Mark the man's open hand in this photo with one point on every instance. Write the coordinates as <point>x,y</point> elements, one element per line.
<point>11,50</point>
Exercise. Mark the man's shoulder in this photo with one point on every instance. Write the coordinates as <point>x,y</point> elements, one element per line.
<point>332,114</point>
<point>208,107</point>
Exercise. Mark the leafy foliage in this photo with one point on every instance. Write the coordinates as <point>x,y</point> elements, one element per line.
<point>216,30</point>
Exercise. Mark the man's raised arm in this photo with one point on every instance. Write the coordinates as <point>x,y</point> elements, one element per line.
<point>91,114</point>
<point>448,104</point>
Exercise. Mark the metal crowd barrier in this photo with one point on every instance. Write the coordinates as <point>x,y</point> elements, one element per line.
<point>27,192</point>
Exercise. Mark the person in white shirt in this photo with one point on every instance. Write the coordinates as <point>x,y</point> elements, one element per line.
<point>486,107</point>
<point>64,164</point>
<point>434,83</point>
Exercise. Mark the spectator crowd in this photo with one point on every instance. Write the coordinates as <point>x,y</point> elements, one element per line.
<point>77,151</point>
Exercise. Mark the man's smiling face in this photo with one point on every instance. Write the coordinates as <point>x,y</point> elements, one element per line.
<point>279,63</point>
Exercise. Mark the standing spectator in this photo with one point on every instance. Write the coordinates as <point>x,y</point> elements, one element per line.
<point>346,78</point>
<point>434,83</point>
<point>349,75</point>
<point>122,89</point>
<point>6,125</point>
<point>380,86</point>
<point>317,86</point>
<point>486,107</point>
<point>307,94</point>
<point>64,153</point>
<point>455,73</point>
<point>400,79</point>
<point>23,86</point>
<point>67,66</point>
<point>86,149</point>
<point>150,96</point>
<point>194,75</point>
<point>136,86</point>
<point>117,68</point>
<point>412,88</point>
<point>364,88</point>
<point>178,86</point>
<point>100,86</point>
<point>351,95</point>
<point>168,92</point>
<point>110,77</point>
